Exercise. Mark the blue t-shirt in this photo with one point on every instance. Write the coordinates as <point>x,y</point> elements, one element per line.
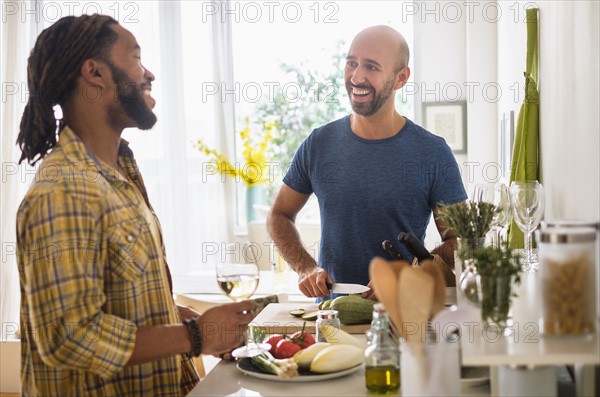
<point>371,190</point>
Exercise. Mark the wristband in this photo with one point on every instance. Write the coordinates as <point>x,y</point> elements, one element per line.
<point>192,326</point>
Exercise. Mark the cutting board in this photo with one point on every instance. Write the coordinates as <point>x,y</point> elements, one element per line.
<point>276,319</point>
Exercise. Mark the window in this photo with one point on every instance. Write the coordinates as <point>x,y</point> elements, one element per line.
<point>288,62</point>
<point>216,64</point>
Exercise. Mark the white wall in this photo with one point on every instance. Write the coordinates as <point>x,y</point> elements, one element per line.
<point>570,108</point>
<point>488,44</point>
<point>484,93</point>
<point>438,51</point>
<point>569,99</point>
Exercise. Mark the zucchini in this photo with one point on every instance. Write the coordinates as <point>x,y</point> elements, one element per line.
<point>353,309</point>
<point>298,313</point>
<point>311,316</point>
<point>324,305</point>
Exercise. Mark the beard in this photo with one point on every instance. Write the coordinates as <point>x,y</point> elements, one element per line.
<point>129,95</point>
<point>379,98</point>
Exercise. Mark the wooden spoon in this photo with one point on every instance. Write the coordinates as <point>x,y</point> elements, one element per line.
<point>433,268</point>
<point>384,275</point>
<point>415,296</point>
<point>411,296</point>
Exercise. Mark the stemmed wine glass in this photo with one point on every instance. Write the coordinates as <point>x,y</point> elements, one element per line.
<point>499,196</point>
<point>238,278</point>
<point>502,203</point>
<point>527,200</point>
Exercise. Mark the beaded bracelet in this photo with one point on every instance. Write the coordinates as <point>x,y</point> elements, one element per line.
<point>192,326</point>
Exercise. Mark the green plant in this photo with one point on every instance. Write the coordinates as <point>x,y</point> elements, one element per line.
<point>497,262</point>
<point>499,269</point>
<point>319,102</point>
<point>469,220</point>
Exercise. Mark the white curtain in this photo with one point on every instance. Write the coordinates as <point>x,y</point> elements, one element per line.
<point>225,114</point>
<point>570,99</point>
<point>195,211</point>
<point>17,39</point>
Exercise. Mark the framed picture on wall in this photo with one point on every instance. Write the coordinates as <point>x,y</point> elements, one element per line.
<point>448,120</point>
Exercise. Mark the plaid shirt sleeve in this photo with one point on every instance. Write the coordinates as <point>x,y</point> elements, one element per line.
<point>59,240</point>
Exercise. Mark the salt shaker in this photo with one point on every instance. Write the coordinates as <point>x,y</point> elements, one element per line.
<point>326,317</point>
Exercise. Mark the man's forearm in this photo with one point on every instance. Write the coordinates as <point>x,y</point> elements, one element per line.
<point>446,252</point>
<point>158,342</point>
<point>187,312</point>
<point>285,235</point>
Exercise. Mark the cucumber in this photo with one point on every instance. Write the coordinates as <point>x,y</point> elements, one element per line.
<point>325,304</point>
<point>353,309</point>
<point>311,316</point>
<point>298,313</point>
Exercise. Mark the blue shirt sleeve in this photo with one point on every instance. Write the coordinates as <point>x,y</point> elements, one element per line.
<point>298,175</point>
<point>447,187</point>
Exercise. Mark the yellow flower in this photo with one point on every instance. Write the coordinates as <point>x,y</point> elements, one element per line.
<point>254,171</point>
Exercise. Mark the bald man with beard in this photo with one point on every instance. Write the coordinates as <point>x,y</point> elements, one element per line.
<point>375,173</point>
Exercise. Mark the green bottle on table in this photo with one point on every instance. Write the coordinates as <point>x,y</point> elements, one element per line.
<point>382,356</point>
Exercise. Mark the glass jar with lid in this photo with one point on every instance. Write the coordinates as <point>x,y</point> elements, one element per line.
<point>326,317</point>
<point>568,280</point>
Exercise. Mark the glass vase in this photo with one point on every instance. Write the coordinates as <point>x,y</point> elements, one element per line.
<point>466,272</point>
<point>468,284</point>
<point>495,297</point>
<point>255,194</point>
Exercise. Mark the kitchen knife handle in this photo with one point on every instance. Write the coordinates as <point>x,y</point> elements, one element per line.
<point>390,249</point>
<point>414,246</point>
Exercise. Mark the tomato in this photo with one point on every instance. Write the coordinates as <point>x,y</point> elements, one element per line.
<point>273,340</point>
<point>286,349</point>
<point>302,339</point>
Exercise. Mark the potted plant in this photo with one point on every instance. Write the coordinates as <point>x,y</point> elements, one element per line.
<point>498,271</point>
<point>471,221</point>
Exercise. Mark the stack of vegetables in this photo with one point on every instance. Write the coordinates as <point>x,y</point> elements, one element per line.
<point>288,354</point>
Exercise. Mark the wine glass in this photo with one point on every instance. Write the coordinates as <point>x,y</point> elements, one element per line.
<point>527,200</point>
<point>503,205</point>
<point>499,196</point>
<point>238,278</point>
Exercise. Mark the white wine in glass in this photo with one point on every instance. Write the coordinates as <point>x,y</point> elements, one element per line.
<point>238,280</point>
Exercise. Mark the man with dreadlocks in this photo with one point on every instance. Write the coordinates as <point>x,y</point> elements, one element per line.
<point>97,310</point>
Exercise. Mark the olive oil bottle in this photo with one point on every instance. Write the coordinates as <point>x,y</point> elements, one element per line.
<point>382,356</point>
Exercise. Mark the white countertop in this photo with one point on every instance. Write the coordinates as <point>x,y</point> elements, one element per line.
<point>529,348</point>
<point>226,380</point>
<point>525,346</point>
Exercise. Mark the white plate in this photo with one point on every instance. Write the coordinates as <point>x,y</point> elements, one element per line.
<point>256,350</point>
<point>247,367</point>
<point>474,376</point>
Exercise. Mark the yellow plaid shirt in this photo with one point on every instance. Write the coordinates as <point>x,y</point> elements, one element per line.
<point>91,272</point>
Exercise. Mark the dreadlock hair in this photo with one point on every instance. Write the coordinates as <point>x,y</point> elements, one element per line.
<point>53,68</point>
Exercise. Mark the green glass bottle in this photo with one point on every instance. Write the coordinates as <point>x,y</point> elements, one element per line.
<point>382,356</point>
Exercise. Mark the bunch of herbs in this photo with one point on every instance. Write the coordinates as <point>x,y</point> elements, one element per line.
<point>499,269</point>
<point>469,220</point>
